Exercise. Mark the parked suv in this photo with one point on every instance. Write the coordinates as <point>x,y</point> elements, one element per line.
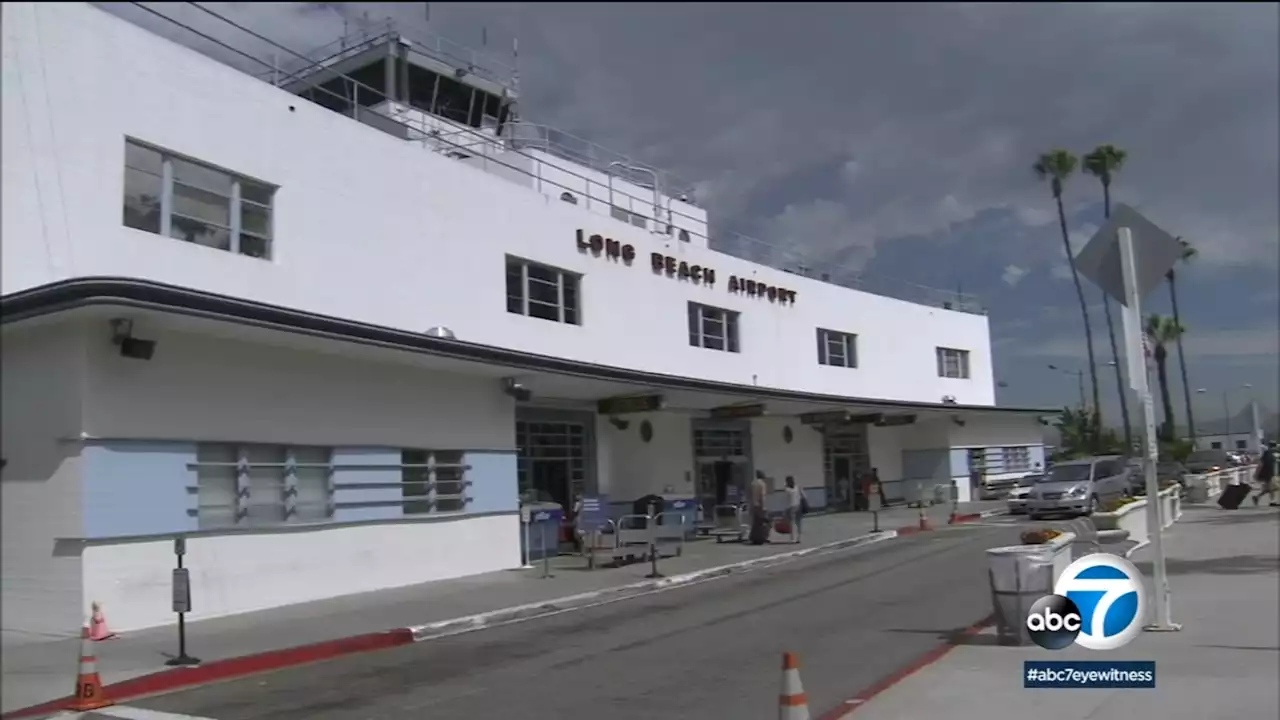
<point>1078,487</point>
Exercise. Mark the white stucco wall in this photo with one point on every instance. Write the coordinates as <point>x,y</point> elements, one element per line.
<point>41,383</point>
<point>375,229</point>
<point>255,571</point>
<point>203,388</point>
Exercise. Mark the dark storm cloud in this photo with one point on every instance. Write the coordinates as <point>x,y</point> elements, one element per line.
<point>933,112</point>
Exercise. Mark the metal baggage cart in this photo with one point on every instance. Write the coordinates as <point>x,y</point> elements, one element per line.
<point>669,534</point>
<point>634,534</point>
<point>731,523</point>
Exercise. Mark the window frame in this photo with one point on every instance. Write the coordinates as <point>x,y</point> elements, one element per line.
<point>281,474</point>
<point>425,467</point>
<point>730,339</point>
<point>848,343</point>
<point>236,202</point>
<point>567,283</point>
<point>962,369</point>
<point>1016,458</point>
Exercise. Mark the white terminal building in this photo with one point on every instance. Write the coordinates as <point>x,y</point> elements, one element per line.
<point>331,322</point>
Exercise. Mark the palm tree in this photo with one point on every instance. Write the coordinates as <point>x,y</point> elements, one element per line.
<point>1103,163</point>
<point>1188,254</point>
<point>1057,166</point>
<point>1162,331</point>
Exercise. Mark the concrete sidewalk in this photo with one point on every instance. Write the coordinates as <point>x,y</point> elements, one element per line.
<point>37,672</point>
<point>1224,572</point>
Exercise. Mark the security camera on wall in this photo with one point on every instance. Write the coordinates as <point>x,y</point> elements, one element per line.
<point>958,420</point>
<point>619,423</point>
<point>516,390</point>
<point>948,399</point>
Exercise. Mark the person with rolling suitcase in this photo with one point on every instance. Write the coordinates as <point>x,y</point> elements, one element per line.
<point>1266,476</point>
<point>760,526</point>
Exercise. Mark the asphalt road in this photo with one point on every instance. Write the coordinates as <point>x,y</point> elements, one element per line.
<point>697,652</point>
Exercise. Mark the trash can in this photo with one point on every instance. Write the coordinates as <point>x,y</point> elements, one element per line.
<point>641,506</point>
<point>1018,577</point>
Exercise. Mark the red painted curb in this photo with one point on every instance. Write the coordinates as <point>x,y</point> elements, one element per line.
<point>850,706</point>
<point>231,668</point>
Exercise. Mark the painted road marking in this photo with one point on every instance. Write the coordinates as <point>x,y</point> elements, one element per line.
<point>125,712</point>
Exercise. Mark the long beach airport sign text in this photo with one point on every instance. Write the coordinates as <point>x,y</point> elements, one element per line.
<point>672,267</point>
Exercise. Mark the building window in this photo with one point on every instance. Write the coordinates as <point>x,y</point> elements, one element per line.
<point>542,291</point>
<point>953,363</point>
<point>626,216</point>
<point>433,481</point>
<point>186,200</point>
<point>259,484</point>
<point>1017,459</point>
<point>713,328</point>
<point>837,349</point>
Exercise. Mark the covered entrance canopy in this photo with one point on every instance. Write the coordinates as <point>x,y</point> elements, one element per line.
<point>558,397</point>
<point>547,379</point>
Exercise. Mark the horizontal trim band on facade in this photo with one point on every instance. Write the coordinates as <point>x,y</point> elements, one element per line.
<point>283,528</point>
<point>67,295</point>
<point>99,439</point>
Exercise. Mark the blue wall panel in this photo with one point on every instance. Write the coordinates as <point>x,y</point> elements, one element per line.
<point>138,488</point>
<point>494,485</point>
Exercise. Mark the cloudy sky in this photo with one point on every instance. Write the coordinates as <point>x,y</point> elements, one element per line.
<point>895,142</point>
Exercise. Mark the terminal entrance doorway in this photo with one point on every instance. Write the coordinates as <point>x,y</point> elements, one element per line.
<point>845,458</point>
<point>552,460</point>
<point>723,466</point>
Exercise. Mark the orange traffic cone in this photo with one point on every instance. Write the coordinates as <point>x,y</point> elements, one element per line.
<point>793,704</point>
<point>98,625</point>
<point>89,691</point>
<point>924,519</point>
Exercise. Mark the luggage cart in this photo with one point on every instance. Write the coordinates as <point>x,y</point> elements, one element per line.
<point>730,523</point>
<point>669,534</point>
<point>634,533</point>
<point>601,542</point>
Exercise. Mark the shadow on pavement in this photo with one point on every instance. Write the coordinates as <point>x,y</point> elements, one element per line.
<point>1244,516</point>
<point>1235,565</point>
<point>957,636</point>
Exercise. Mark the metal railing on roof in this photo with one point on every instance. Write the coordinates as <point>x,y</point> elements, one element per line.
<point>387,30</point>
<point>370,106</point>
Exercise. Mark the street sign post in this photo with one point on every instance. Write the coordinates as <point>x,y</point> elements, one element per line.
<point>1129,257</point>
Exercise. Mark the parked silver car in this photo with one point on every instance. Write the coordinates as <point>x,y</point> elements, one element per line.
<point>1078,487</point>
<point>1016,500</point>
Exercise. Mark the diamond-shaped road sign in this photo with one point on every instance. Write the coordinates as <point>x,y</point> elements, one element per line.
<point>1155,252</point>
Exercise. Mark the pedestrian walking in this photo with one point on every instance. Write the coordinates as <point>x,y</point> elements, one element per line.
<point>797,506</point>
<point>576,523</point>
<point>1265,475</point>
<point>759,529</point>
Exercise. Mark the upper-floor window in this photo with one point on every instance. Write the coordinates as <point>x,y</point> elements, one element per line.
<point>713,328</point>
<point>627,216</point>
<point>542,291</point>
<point>187,200</point>
<point>953,363</point>
<point>837,348</point>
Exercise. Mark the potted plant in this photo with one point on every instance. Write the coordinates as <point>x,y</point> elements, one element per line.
<point>1039,536</point>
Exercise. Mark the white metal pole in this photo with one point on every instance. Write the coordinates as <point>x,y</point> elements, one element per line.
<point>1138,379</point>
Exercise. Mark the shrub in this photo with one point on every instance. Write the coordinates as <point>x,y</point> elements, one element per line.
<point>1040,536</point>
<point>1115,505</point>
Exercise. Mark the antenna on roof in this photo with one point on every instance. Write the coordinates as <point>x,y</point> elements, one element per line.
<point>515,63</point>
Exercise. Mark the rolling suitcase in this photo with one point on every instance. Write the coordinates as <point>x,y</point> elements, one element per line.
<point>759,533</point>
<point>1232,496</point>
